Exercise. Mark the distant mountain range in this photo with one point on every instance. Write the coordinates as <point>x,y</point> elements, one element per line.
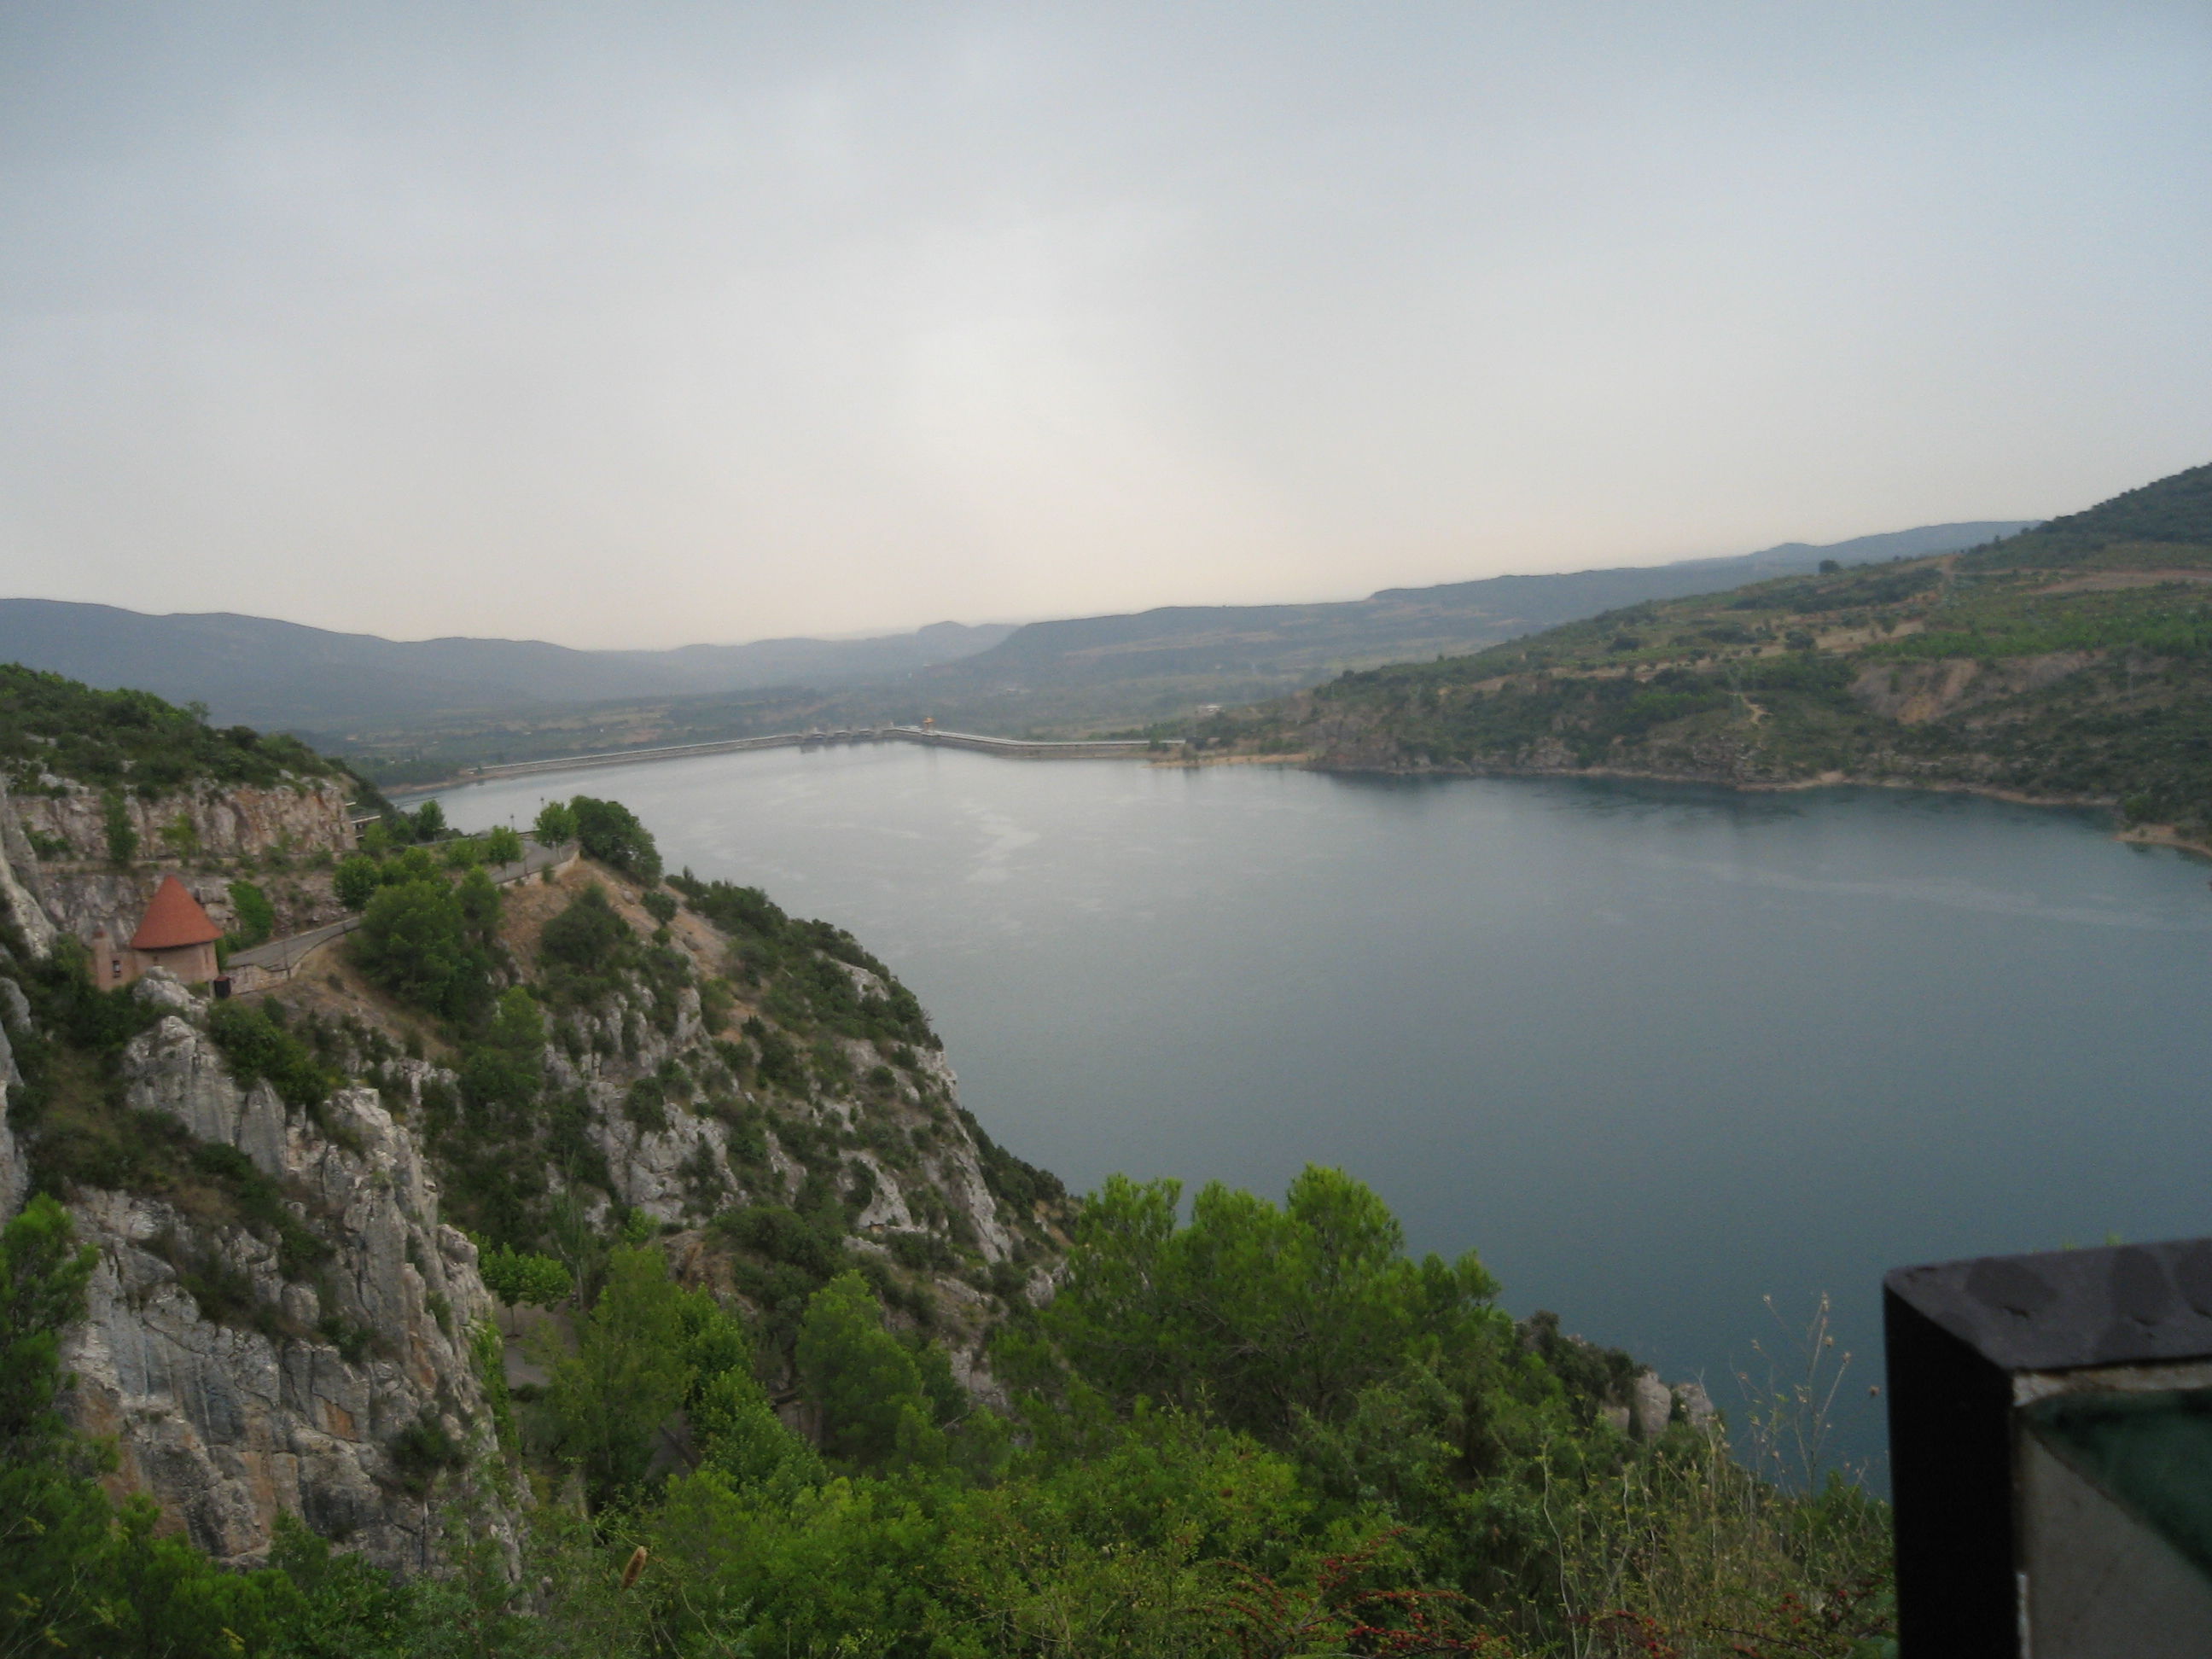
<point>254,670</point>
<point>1398,624</point>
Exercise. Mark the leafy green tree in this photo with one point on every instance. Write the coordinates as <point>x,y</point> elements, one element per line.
<point>556,823</point>
<point>414,940</point>
<point>503,845</point>
<point>609,832</point>
<point>42,1282</point>
<point>520,1278</point>
<point>356,880</point>
<point>629,1373</point>
<point>462,853</point>
<point>502,1071</point>
<point>478,897</point>
<point>861,1381</point>
<point>410,864</point>
<point>1260,1315</point>
<point>428,821</point>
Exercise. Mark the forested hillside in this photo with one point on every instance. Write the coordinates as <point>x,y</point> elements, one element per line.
<point>601,1264</point>
<point>2071,662</point>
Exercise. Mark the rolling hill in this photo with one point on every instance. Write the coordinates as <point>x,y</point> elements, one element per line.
<point>258,671</point>
<point>2072,661</point>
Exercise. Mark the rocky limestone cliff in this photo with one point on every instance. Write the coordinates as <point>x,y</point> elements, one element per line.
<point>293,1401</point>
<point>690,1127</point>
<point>284,1318</point>
<point>15,1168</point>
<point>207,821</point>
<point>57,855</point>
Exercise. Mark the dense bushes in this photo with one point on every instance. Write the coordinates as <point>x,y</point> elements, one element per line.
<point>428,943</point>
<point>1265,1426</point>
<point>255,1047</point>
<point>802,968</point>
<point>133,740</point>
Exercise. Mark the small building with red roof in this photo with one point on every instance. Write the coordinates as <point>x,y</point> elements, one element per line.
<point>176,934</point>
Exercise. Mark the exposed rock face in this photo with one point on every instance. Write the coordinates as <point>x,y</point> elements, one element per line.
<point>15,1175</point>
<point>1696,1406</point>
<point>293,1405</point>
<point>666,1171</point>
<point>23,912</point>
<point>1915,693</point>
<point>305,817</point>
<point>327,1368</point>
<point>73,887</point>
<point>1651,1403</point>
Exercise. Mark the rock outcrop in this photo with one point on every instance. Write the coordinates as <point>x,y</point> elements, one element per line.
<point>22,910</point>
<point>208,820</point>
<point>326,1376</point>
<point>59,879</point>
<point>14,1172</point>
<point>283,1322</point>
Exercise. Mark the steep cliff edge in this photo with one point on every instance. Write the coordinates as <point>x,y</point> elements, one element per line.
<point>286,1319</point>
<point>104,793</point>
<point>279,1323</point>
<point>323,1372</point>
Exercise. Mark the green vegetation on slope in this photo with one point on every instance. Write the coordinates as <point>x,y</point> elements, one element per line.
<point>1345,1452</point>
<point>1265,1430</point>
<point>133,740</point>
<point>2073,661</point>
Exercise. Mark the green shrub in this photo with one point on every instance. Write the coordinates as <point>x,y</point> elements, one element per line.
<point>122,834</point>
<point>425,942</point>
<point>255,1047</point>
<point>356,880</point>
<point>423,1450</point>
<point>609,832</point>
<point>256,916</point>
<point>520,1278</point>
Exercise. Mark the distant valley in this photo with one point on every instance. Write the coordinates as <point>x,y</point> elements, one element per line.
<point>416,710</point>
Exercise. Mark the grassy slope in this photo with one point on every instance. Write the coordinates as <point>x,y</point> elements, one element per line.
<point>2070,662</point>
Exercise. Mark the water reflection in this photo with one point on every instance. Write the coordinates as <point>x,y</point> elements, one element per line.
<point>1656,1051</point>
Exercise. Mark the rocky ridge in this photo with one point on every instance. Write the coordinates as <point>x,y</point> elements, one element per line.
<point>340,1363</point>
<point>308,1406</point>
<point>56,846</point>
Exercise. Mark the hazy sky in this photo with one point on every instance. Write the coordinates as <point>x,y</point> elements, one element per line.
<point>639,324</point>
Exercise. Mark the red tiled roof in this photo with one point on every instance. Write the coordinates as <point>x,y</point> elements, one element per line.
<point>173,920</point>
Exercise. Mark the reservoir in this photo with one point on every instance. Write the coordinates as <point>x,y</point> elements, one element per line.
<point>1658,1053</point>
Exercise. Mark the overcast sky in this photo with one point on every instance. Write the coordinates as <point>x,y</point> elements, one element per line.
<point>639,323</point>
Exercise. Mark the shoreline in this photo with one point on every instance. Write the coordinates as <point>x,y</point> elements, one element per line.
<point>2140,834</point>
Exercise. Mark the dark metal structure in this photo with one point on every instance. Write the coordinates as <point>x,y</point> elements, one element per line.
<point>2051,1448</point>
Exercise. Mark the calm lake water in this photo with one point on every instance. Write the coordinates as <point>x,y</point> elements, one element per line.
<point>1657,1053</point>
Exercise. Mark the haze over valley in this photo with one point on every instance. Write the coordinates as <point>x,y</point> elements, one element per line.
<point>977,831</point>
